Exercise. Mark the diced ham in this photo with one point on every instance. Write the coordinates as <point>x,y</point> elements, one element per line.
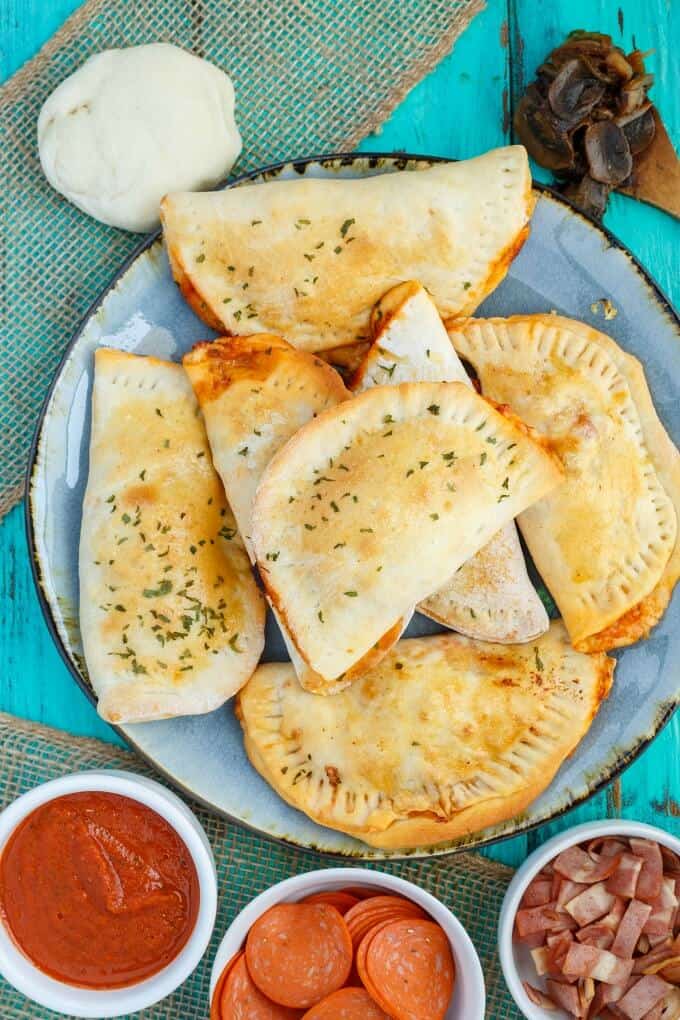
<point>586,992</point>
<point>579,866</point>
<point>538,997</point>
<point>671,861</point>
<point>567,890</point>
<point>604,995</point>
<point>669,962</point>
<point>671,971</point>
<point>613,918</point>
<point>643,996</point>
<point>558,950</point>
<point>605,846</point>
<point>603,925</point>
<point>659,923</point>
<point>649,880</point>
<point>600,964</point>
<point>630,928</point>
<point>531,920</point>
<point>624,880</point>
<point>658,940</point>
<point>532,941</point>
<point>566,997</point>
<point>592,903</point>
<point>668,896</point>
<point>596,934</point>
<point>541,958</point>
<point>648,959</point>
<point>538,893</point>
<point>671,1005</point>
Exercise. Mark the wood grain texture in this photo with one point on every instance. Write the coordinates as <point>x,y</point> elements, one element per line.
<point>464,107</point>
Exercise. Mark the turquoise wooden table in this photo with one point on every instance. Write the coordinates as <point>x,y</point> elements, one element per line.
<point>464,107</point>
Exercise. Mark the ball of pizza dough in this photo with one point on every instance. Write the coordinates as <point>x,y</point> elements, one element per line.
<point>131,125</point>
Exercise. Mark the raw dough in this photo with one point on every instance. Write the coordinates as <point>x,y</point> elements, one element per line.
<point>131,125</point>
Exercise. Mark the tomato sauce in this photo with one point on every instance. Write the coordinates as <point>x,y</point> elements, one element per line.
<point>98,890</point>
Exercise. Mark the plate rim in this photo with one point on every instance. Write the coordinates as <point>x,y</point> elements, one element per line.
<point>147,242</point>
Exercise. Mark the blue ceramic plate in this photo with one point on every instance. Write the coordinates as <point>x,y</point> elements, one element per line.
<point>568,264</point>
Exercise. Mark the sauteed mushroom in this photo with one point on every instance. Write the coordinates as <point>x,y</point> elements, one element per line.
<point>586,116</point>
<point>608,153</point>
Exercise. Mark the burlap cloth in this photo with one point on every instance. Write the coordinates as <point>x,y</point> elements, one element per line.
<point>311,76</point>
<point>246,865</point>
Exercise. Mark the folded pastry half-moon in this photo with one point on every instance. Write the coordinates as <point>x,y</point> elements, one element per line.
<point>308,258</point>
<point>255,392</point>
<point>374,504</point>
<point>605,542</point>
<point>444,737</point>
<point>171,618</point>
<point>490,597</point>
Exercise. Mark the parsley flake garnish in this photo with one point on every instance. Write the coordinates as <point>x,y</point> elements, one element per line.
<point>434,409</point>
<point>164,588</point>
<point>350,594</point>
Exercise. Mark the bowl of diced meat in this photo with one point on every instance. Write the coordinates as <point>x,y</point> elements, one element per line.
<point>590,925</point>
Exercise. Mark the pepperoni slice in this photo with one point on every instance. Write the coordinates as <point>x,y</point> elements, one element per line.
<point>347,1004</point>
<point>341,900</point>
<point>360,964</point>
<point>298,953</point>
<point>368,913</point>
<point>410,964</point>
<point>359,891</point>
<point>217,994</point>
<point>242,1000</point>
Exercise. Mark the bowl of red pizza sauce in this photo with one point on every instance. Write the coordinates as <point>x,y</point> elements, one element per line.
<point>108,893</point>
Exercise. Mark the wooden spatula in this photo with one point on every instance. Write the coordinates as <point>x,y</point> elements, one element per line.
<point>656,173</point>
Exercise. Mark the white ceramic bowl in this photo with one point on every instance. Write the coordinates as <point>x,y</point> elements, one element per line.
<point>515,958</point>
<point>469,994</point>
<point>86,1002</point>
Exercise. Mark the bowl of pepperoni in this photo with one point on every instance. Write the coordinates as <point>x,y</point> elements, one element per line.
<point>590,925</point>
<point>346,944</point>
